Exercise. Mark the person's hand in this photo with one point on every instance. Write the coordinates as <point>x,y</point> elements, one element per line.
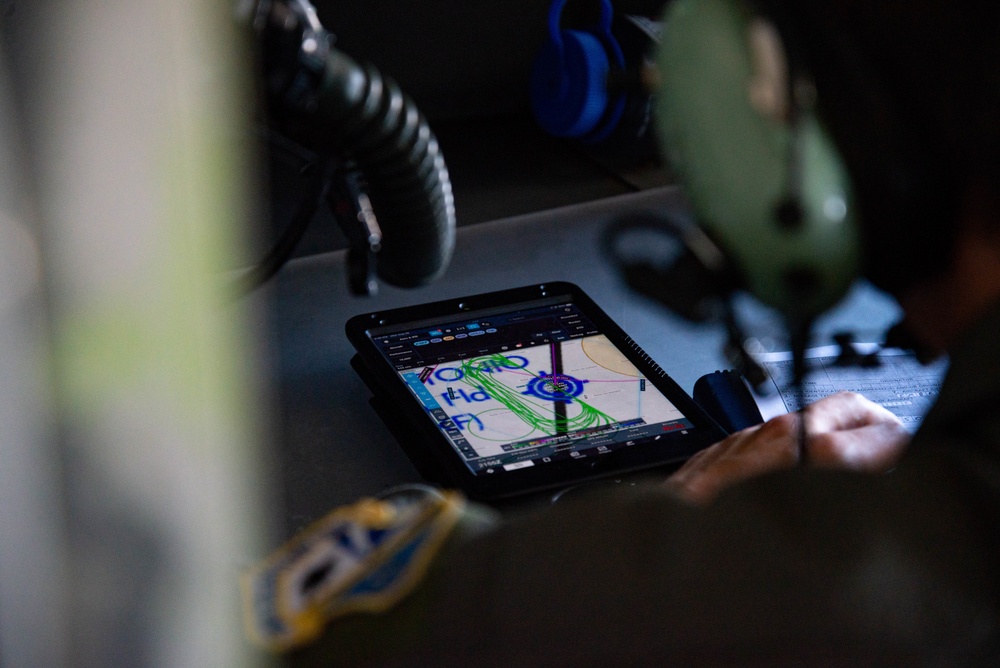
<point>845,430</point>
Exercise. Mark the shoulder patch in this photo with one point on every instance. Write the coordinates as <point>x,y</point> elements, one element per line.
<point>364,557</point>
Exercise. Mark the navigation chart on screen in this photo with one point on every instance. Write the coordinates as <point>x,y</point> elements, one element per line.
<point>531,397</point>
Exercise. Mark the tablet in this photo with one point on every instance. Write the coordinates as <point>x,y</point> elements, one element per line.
<point>512,392</point>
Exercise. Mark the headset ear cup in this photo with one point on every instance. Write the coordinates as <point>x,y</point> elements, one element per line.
<point>569,93</point>
<point>614,106</point>
<point>747,165</point>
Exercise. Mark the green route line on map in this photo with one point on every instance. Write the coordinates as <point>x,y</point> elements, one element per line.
<point>500,437</point>
<point>482,371</point>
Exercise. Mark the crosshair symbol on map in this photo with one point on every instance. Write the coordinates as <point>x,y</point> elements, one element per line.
<point>557,387</point>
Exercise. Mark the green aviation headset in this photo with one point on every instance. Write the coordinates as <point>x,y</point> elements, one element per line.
<point>789,147</point>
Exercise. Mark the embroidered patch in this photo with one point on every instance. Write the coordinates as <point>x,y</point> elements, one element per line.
<point>360,558</point>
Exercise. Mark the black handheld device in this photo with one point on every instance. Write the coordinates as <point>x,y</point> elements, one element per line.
<point>511,392</point>
<point>726,397</point>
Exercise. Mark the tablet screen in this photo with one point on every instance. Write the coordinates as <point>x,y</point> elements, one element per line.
<point>523,386</point>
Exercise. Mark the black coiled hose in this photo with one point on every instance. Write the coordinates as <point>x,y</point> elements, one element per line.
<point>361,114</point>
<point>353,117</point>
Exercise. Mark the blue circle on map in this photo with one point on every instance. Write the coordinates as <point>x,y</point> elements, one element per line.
<point>559,387</point>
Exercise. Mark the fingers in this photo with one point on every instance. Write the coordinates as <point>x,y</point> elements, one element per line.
<point>846,410</point>
<point>721,449</point>
<point>845,431</point>
<point>873,448</point>
<point>742,455</point>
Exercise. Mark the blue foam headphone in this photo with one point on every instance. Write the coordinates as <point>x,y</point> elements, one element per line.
<point>569,80</point>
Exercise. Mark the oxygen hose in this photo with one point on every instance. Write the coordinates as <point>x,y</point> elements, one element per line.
<point>367,117</point>
<point>354,115</point>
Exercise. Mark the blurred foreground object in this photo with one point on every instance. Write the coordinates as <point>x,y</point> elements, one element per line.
<point>738,115</point>
<point>133,119</point>
<point>33,576</point>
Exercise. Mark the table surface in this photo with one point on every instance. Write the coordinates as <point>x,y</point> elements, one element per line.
<point>333,449</point>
